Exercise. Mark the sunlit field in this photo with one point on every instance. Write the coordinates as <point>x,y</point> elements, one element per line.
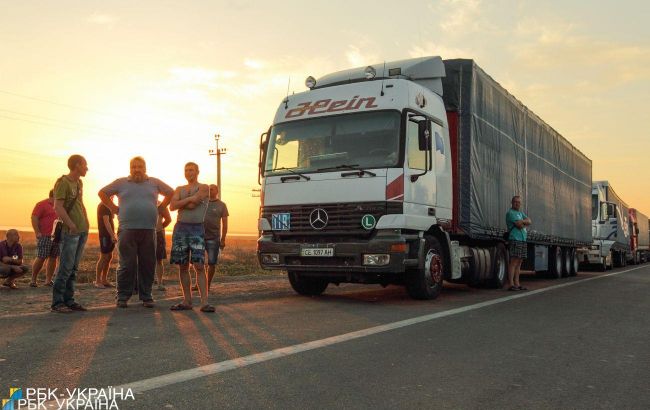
<point>238,258</point>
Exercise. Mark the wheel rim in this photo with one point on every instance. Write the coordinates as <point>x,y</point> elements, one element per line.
<point>434,268</point>
<point>558,261</point>
<point>576,263</point>
<point>501,267</point>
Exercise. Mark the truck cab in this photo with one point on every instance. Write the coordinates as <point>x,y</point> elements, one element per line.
<point>610,230</point>
<point>353,171</point>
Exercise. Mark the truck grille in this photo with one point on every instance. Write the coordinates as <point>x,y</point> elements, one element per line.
<point>343,219</point>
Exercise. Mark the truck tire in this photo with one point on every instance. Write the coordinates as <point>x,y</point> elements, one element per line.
<point>575,263</point>
<point>555,262</point>
<point>307,286</point>
<point>603,266</point>
<point>610,262</point>
<point>499,271</point>
<point>567,261</point>
<point>426,283</point>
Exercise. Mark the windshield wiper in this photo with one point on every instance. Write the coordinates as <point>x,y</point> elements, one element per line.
<point>360,171</point>
<point>290,170</point>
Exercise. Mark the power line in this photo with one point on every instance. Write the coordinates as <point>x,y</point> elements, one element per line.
<point>60,104</point>
<point>58,121</point>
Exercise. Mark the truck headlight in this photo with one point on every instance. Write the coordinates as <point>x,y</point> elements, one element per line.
<point>594,247</point>
<point>270,258</point>
<point>374,259</point>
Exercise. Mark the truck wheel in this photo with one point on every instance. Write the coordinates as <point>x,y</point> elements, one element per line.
<point>610,262</point>
<point>426,283</point>
<point>575,262</point>
<point>499,271</point>
<point>305,285</point>
<point>603,266</point>
<point>567,260</point>
<point>555,262</point>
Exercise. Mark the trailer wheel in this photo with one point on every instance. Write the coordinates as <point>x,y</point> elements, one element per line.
<point>555,262</point>
<point>499,271</point>
<point>575,263</point>
<point>426,283</point>
<point>305,285</point>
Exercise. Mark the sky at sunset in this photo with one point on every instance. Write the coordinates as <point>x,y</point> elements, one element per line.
<point>114,79</point>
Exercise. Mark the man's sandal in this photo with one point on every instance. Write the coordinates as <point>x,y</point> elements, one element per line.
<point>208,309</point>
<point>181,306</point>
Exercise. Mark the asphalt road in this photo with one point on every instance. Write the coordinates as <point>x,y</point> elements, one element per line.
<point>585,344</point>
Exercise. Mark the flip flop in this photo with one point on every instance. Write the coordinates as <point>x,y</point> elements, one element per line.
<point>33,285</point>
<point>513,288</point>
<point>181,306</point>
<point>208,309</point>
<point>10,285</point>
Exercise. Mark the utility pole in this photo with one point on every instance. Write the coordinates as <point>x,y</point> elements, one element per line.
<point>218,152</point>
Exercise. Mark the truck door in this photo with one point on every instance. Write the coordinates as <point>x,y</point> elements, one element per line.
<point>419,166</point>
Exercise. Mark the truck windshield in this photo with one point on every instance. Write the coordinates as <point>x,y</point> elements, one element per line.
<point>361,140</point>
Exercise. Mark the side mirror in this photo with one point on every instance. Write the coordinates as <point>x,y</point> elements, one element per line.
<point>424,136</point>
<point>603,213</point>
<point>611,210</point>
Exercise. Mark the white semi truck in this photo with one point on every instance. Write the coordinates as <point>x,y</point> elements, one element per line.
<point>402,173</point>
<point>610,229</point>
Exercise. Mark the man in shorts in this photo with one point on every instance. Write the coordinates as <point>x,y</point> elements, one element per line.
<point>47,252</point>
<point>11,259</point>
<point>164,219</point>
<point>516,221</point>
<point>188,242</point>
<point>216,229</point>
<point>107,240</point>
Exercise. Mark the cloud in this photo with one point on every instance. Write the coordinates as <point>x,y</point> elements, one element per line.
<point>254,64</point>
<point>434,49</point>
<point>556,46</point>
<point>102,19</point>
<point>458,15</point>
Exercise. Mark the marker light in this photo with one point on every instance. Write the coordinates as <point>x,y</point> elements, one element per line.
<point>370,72</point>
<point>310,82</point>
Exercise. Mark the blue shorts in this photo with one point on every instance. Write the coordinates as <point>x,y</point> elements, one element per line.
<point>188,244</point>
<point>212,248</point>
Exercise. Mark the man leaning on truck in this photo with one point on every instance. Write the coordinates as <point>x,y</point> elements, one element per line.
<point>516,221</point>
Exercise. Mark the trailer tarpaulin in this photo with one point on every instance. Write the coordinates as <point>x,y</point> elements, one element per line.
<point>504,149</point>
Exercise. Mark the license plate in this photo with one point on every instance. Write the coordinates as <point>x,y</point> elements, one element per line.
<point>317,252</point>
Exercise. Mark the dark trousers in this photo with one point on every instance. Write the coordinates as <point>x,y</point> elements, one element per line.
<point>137,252</point>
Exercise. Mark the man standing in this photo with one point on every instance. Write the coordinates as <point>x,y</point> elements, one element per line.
<point>188,241</point>
<point>516,221</point>
<point>107,240</point>
<point>11,259</point>
<point>43,217</point>
<point>69,207</point>
<point>216,229</point>
<point>136,236</point>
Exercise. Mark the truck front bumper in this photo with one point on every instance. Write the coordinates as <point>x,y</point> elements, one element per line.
<point>347,256</point>
<point>591,257</point>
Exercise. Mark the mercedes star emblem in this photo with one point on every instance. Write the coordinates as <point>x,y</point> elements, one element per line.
<point>318,218</point>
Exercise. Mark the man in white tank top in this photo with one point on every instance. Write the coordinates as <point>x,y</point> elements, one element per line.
<point>188,241</point>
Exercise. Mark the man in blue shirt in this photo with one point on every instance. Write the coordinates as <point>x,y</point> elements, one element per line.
<point>516,222</point>
<point>136,237</point>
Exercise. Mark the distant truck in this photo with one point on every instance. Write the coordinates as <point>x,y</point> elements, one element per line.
<point>402,173</point>
<point>610,228</point>
<point>639,237</point>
